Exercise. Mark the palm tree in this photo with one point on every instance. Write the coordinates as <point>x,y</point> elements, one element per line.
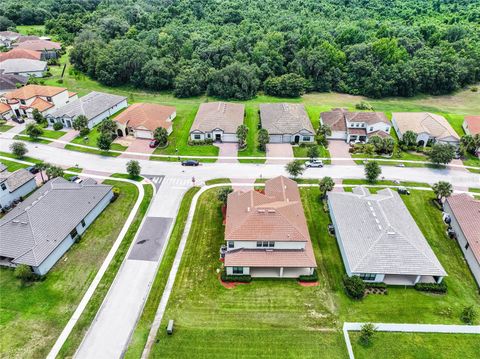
<point>442,190</point>
<point>42,166</point>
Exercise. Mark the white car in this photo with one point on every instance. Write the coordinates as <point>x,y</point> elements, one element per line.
<point>314,163</point>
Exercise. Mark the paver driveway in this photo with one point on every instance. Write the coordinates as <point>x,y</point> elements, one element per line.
<point>279,150</point>
<point>227,150</point>
<point>339,149</point>
<point>138,145</point>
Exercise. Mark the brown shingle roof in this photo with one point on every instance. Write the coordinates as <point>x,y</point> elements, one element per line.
<point>473,123</point>
<point>147,116</point>
<point>29,91</point>
<point>4,107</point>
<point>467,213</point>
<point>222,115</point>
<point>20,54</point>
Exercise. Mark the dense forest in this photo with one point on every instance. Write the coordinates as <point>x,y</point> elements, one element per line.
<point>235,48</point>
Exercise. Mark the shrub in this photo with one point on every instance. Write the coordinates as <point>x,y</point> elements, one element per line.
<point>116,193</point>
<point>18,149</point>
<point>354,286</point>
<point>367,332</point>
<point>236,278</point>
<point>309,278</point>
<point>432,287</point>
<point>24,273</point>
<point>60,81</point>
<point>84,131</point>
<point>379,285</point>
<point>364,105</point>
<point>57,126</point>
<point>474,89</point>
<point>469,314</point>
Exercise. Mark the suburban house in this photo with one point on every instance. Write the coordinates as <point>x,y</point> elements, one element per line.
<point>5,111</point>
<point>11,82</point>
<point>427,126</point>
<point>44,98</point>
<point>355,126</point>
<point>48,49</point>
<point>286,123</point>
<point>8,37</point>
<point>20,54</point>
<point>217,121</point>
<point>464,213</point>
<point>267,233</point>
<point>24,67</point>
<point>379,240</point>
<point>471,126</point>
<point>96,106</point>
<point>141,119</point>
<point>45,225</point>
<point>14,185</point>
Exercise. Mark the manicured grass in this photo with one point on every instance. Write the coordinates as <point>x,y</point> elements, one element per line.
<point>127,176</point>
<point>25,158</point>
<point>471,160</point>
<point>29,139</point>
<point>91,140</point>
<point>299,151</point>
<point>252,121</point>
<point>12,166</point>
<point>48,134</point>
<point>78,332</point>
<point>92,150</point>
<point>472,189</point>
<point>33,315</point>
<point>386,183</point>
<point>418,345</point>
<point>217,180</point>
<point>140,335</point>
<point>5,128</point>
<point>75,169</point>
<point>298,180</point>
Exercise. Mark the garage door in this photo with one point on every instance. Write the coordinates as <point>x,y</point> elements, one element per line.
<point>143,134</point>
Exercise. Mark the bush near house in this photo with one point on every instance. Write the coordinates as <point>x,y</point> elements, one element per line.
<point>439,288</point>
<point>57,126</point>
<point>309,278</point>
<point>354,286</point>
<point>235,278</point>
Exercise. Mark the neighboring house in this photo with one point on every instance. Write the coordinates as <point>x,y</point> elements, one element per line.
<point>267,234</point>
<point>464,212</point>
<point>5,111</point>
<point>379,240</point>
<point>44,98</point>
<point>355,126</point>
<point>286,123</point>
<point>20,54</point>
<point>8,37</point>
<point>24,67</point>
<point>217,121</point>
<point>15,185</point>
<point>44,226</point>
<point>427,126</point>
<point>471,126</point>
<point>141,119</point>
<point>10,82</point>
<point>23,38</point>
<point>96,106</point>
<point>48,49</point>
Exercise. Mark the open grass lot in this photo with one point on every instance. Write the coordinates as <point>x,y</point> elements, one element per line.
<point>32,316</point>
<point>91,140</point>
<point>38,30</point>
<point>454,107</point>
<point>271,318</point>
<point>418,345</point>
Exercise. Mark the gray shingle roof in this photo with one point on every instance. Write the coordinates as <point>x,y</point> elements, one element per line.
<point>15,179</point>
<point>90,105</point>
<point>284,118</point>
<point>22,65</point>
<point>380,236</point>
<point>33,229</point>
<point>9,81</point>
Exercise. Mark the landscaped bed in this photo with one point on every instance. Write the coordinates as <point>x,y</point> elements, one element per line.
<point>275,318</point>
<point>33,315</point>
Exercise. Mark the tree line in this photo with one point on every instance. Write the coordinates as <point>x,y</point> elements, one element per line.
<point>234,49</point>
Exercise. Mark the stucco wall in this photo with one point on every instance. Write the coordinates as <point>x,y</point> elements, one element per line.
<point>6,197</point>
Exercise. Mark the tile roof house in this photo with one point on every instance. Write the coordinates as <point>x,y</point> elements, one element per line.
<point>427,126</point>
<point>20,54</point>
<point>96,106</point>
<point>43,98</point>
<point>9,82</point>
<point>379,240</point>
<point>217,121</point>
<point>353,126</point>
<point>267,234</point>
<point>286,123</point>
<point>15,185</point>
<point>24,67</point>
<point>48,49</point>
<point>43,227</point>
<point>141,120</point>
<point>464,212</point>
<point>8,37</point>
<point>471,125</point>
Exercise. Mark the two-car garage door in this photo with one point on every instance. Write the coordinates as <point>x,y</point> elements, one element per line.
<point>146,134</point>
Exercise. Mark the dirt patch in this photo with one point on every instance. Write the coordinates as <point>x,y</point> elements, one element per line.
<point>229,285</point>
<point>308,284</point>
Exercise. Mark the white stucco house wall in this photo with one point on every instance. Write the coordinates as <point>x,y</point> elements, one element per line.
<point>15,185</point>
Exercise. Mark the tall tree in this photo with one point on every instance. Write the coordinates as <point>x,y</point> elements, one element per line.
<point>326,185</point>
<point>372,171</point>
<point>295,168</point>
<point>442,153</point>
<point>442,190</point>
<point>242,132</point>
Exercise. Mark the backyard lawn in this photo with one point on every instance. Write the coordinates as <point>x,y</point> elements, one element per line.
<point>271,318</point>
<point>418,345</point>
<point>32,316</point>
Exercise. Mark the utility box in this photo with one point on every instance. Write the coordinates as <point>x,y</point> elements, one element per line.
<point>170,327</point>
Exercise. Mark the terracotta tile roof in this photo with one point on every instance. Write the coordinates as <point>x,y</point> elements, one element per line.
<point>71,94</point>
<point>335,119</point>
<point>367,117</point>
<point>38,45</point>
<point>29,91</point>
<point>473,123</point>
<point>20,54</point>
<point>40,104</point>
<point>146,116</point>
<point>380,133</point>
<point>467,213</point>
<point>4,107</point>
<point>223,115</point>
<point>357,131</point>
<point>23,38</point>
<point>435,125</point>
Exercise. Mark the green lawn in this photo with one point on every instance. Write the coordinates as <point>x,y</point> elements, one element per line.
<point>33,316</point>
<point>386,183</point>
<point>91,140</point>
<point>38,30</point>
<point>48,133</point>
<point>29,139</point>
<point>12,166</point>
<point>418,345</point>
<point>270,318</point>
<point>25,158</point>
<point>142,329</point>
<point>92,150</point>
<point>127,176</point>
<point>217,180</point>
<point>78,332</point>
<point>5,128</point>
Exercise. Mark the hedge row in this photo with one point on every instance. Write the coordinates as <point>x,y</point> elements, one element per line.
<point>309,278</point>
<point>432,287</point>
<point>236,278</point>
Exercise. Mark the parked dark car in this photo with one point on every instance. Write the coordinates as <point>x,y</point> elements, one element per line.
<point>403,190</point>
<point>190,163</point>
<point>32,169</point>
<point>18,120</point>
<point>153,143</point>
<point>73,178</point>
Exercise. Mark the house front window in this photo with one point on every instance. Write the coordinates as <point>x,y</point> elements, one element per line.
<point>237,270</point>
<point>3,187</point>
<point>306,138</point>
<point>230,244</point>
<point>265,244</point>
<point>83,223</point>
<point>74,233</point>
<point>368,276</point>
<point>197,137</point>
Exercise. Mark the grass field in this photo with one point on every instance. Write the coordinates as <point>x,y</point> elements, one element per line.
<point>418,345</point>
<point>270,318</point>
<point>38,30</point>
<point>32,316</point>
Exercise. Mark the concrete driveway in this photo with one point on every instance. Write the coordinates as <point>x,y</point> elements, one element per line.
<point>279,150</point>
<point>227,150</point>
<point>339,149</point>
<point>136,145</point>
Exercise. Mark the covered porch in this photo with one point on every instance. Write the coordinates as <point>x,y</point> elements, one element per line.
<point>279,272</point>
<point>410,280</point>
